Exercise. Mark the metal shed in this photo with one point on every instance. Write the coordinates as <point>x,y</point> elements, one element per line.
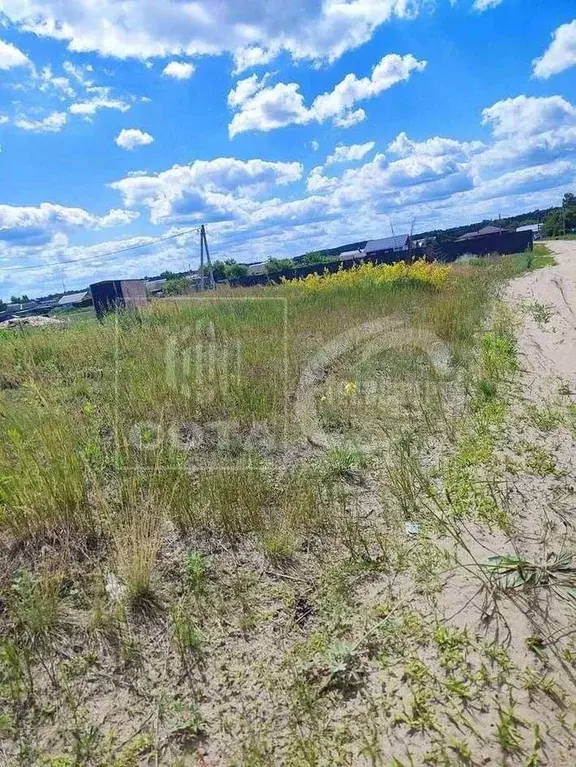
<point>110,295</point>
<point>399,242</point>
<point>75,299</point>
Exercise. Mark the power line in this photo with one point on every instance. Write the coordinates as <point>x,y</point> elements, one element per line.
<point>60,264</point>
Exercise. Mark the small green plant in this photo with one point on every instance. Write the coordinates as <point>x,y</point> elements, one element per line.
<point>279,545</point>
<point>513,572</point>
<point>533,683</point>
<point>343,461</point>
<point>343,666</point>
<point>187,637</point>
<point>535,758</point>
<point>487,389</point>
<point>538,647</point>
<point>133,753</point>
<point>542,313</point>
<point>16,676</point>
<point>498,356</point>
<point>185,723</point>
<point>37,608</point>
<point>508,731</point>
<point>196,572</point>
<point>539,461</point>
<point>544,418</point>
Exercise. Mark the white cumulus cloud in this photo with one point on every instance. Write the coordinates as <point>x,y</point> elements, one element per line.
<point>53,123</point>
<point>180,70</point>
<point>350,153</point>
<point>91,106</point>
<point>528,115</point>
<point>437,146</point>
<point>205,189</point>
<point>11,57</point>
<point>484,5</point>
<point>561,53</point>
<point>38,225</point>
<point>130,138</point>
<point>261,107</point>
<point>253,32</point>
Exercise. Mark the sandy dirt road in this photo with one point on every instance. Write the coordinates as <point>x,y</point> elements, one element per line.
<point>547,342</point>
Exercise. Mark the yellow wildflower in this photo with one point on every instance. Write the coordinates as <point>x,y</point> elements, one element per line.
<point>350,389</point>
<point>369,274</point>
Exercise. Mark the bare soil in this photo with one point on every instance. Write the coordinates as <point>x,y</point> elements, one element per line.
<point>548,348</point>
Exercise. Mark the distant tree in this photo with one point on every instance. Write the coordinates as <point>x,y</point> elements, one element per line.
<point>168,275</point>
<point>233,270</point>
<point>218,270</point>
<point>19,299</point>
<point>316,257</point>
<point>176,286</point>
<point>561,220</point>
<point>3,306</point>
<point>278,264</point>
<point>226,270</point>
<point>553,225</point>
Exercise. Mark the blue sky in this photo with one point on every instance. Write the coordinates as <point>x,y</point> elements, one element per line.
<point>283,126</point>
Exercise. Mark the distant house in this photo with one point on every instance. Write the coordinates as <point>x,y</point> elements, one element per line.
<point>536,229</point>
<point>155,287</point>
<point>486,230</point>
<point>396,244</point>
<point>257,268</point>
<point>75,300</point>
<point>348,255</point>
<point>43,307</point>
<point>14,308</point>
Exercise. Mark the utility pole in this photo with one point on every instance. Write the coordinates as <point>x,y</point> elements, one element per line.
<point>201,261</point>
<point>204,245</point>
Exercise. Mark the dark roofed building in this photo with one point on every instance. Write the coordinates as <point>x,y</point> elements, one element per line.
<point>485,231</point>
<point>74,300</point>
<point>396,243</point>
<point>20,307</point>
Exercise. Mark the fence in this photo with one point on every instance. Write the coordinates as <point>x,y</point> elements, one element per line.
<point>503,244</point>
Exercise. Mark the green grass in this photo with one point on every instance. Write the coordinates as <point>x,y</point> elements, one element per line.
<point>176,553</point>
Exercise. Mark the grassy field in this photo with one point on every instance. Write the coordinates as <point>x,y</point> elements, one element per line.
<point>277,527</point>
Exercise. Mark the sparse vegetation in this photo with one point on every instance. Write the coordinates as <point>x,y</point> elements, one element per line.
<point>185,577</point>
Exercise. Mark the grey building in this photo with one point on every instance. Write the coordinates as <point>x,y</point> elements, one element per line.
<point>486,230</point>
<point>156,287</point>
<point>75,300</point>
<point>395,244</point>
<point>349,255</point>
<point>536,230</point>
